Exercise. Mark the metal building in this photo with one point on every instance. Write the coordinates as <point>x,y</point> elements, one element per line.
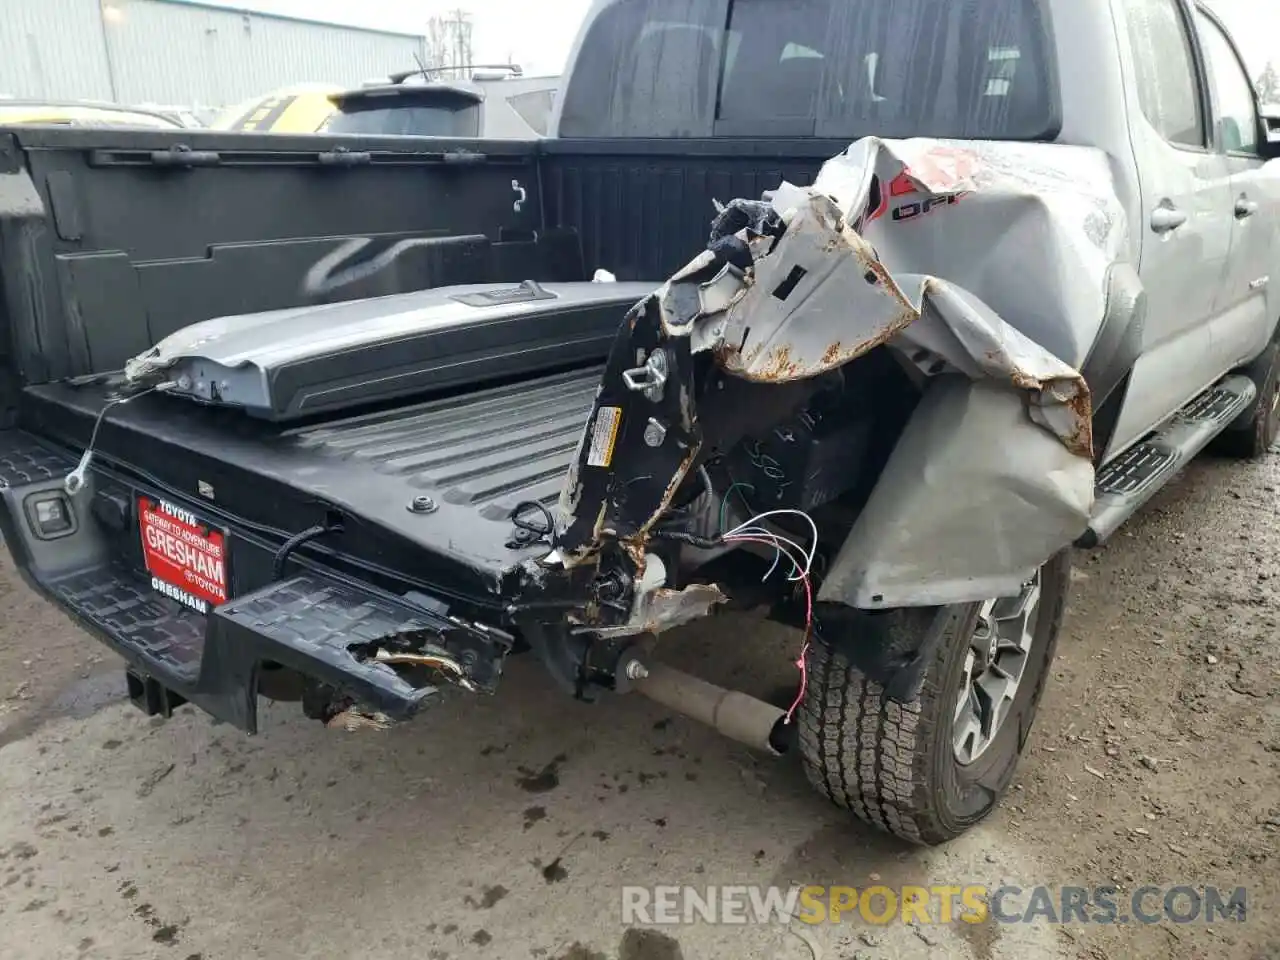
<point>181,52</point>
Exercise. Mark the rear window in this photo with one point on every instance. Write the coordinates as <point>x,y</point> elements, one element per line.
<point>406,120</point>
<point>974,69</point>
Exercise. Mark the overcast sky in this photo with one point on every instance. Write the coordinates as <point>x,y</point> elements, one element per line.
<point>537,33</point>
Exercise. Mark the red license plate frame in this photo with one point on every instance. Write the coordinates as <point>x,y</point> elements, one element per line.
<point>186,557</point>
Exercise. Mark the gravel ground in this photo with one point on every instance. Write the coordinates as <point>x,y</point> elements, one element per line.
<point>504,828</point>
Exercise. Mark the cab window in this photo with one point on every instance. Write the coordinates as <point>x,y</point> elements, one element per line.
<point>1232,92</point>
<point>1166,72</point>
<point>830,68</point>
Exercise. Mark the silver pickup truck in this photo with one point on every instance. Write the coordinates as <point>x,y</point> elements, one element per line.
<point>963,286</point>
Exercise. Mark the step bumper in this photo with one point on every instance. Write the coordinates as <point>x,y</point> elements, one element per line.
<point>354,644</point>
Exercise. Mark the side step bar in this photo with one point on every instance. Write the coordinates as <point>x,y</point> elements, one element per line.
<point>1134,477</point>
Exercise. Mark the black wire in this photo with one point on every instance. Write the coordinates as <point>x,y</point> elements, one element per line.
<point>692,539</point>
<point>520,523</point>
<point>294,542</point>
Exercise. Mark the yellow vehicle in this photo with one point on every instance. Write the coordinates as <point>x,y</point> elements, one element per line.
<point>17,112</point>
<point>301,108</point>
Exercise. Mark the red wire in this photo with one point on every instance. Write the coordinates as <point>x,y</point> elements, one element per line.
<point>801,662</point>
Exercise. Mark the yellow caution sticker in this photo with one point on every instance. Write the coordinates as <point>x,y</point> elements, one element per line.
<point>604,435</point>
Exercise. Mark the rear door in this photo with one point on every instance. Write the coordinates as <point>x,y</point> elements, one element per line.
<point>1186,204</point>
<point>1246,309</point>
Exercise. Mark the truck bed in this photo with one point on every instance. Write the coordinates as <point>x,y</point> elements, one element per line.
<point>107,246</point>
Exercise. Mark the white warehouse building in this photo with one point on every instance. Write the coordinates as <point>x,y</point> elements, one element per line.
<point>181,52</point>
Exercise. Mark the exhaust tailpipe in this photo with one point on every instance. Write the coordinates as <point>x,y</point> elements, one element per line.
<point>736,715</point>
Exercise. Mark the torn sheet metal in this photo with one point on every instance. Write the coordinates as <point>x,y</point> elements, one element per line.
<point>655,608</point>
<point>854,269</point>
<point>1023,234</point>
<point>974,498</point>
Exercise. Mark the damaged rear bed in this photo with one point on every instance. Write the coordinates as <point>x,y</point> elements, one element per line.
<point>409,514</point>
<point>913,447</point>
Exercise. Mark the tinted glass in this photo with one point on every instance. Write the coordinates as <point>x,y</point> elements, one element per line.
<point>838,68</point>
<point>534,108</point>
<point>1233,93</point>
<point>408,121</point>
<point>1165,70</point>
<point>648,68</point>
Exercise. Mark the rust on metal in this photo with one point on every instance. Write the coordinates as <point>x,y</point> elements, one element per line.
<point>778,366</point>
<point>1080,442</point>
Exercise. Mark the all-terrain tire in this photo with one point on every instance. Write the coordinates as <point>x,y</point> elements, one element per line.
<point>893,764</point>
<point>1254,432</point>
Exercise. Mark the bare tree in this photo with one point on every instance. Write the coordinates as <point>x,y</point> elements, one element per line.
<point>1268,84</point>
<point>438,43</point>
<point>449,44</point>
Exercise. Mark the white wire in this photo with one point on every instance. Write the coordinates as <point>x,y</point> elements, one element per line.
<point>754,521</point>
<point>777,540</point>
<point>75,481</point>
<point>778,553</point>
<point>777,513</point>
<point>800,570</point>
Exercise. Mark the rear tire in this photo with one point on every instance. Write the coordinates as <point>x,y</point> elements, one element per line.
<point>1254,432</point>
<point>896,765</point>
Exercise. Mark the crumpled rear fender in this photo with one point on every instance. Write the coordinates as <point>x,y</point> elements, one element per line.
<point>973,499</point>
<point>922,248</point>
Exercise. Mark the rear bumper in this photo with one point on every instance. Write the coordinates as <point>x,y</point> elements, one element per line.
<point>313,622</point>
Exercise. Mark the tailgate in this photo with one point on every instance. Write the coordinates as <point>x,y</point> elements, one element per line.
<point>144,575</point>
<point>172,553</point>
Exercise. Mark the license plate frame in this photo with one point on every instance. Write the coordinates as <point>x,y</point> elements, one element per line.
<point>185,556</point>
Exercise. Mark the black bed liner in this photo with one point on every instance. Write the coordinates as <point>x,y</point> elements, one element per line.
<point>475,456</point>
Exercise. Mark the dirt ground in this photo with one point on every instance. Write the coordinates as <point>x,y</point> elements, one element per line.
<point>504,828</point>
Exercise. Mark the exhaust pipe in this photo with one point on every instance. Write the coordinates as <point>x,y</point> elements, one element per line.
<point>736,715</point>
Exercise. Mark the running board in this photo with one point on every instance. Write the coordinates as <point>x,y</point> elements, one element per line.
<point>1134,477</point>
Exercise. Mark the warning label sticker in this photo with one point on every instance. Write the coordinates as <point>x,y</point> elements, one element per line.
<point>603,436</point>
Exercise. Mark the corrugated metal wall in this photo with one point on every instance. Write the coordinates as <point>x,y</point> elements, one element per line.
<point>53,49</point>
<point>164,51</point>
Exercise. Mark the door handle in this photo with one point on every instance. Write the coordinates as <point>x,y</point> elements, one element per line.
<point>1166,218</point>
<point>1245,207</point>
